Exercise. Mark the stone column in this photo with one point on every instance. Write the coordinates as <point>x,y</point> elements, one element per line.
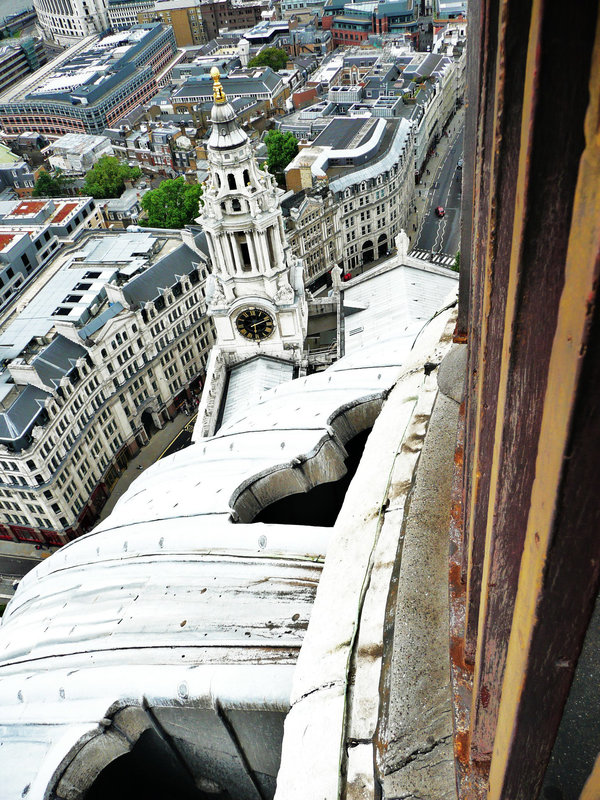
<point>226,250</point>
<point>236,253</point>
<point>250,240</point>
<point>263,249</point>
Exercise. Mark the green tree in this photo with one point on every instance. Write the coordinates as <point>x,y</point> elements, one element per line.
<point>273,57</point>
<point>173,204</point>
<point>281,149</point>
<point>107,178</point>
<point>456,265</point>
<point>50,185</point>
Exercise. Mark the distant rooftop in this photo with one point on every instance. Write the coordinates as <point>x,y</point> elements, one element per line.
<point>77,142</point>
<point>81,72</point>
<point>345,134</point>
<point>7,156</point>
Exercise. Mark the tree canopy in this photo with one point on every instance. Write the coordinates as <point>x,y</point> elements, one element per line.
<point>281,149</point>
<point>173,204</point>
<point>107,178</point>
<point>273,57</point>
<point>50,185</point>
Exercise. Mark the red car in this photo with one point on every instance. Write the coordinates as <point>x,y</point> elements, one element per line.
<point>440,211</point>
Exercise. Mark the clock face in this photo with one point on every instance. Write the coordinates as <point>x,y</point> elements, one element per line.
<point>254,323</point>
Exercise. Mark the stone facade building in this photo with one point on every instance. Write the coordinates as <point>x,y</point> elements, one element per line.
<point>371,186</point>
<point>92,85</point>
<point>31,231</point>
<point>99,357</point>
<point>313,222</point>
<point>65,23</point>
<point>124,13</point>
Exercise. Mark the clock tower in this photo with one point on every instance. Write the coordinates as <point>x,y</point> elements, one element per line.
<point>256,291</point>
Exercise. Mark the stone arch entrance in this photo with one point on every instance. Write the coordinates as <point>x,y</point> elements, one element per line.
<point>382,245</point>
<point>128,759</point>
<point>149,770</point>
<point>147,420</point>
<point>368,252</point>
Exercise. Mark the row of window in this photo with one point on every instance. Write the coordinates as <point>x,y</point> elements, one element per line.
<point>69,427</point>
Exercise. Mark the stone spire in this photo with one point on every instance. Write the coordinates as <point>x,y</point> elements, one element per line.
<point>256,290</point>
<point>241,213</point>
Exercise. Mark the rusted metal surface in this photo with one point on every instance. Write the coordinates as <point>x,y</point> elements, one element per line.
<point>476,492</point>
<point>520,338</point>
<point>560,572</point>
<point>525,555</point>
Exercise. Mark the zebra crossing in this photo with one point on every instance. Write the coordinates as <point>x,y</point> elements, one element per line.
<point>443,259</point>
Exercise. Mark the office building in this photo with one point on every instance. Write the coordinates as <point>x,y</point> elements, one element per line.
<point>92,85</point>
<point>65,23</point>
<point>98,356</point>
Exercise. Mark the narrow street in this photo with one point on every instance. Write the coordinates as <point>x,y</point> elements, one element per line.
<point>175,435</point>
<point>442,187</point>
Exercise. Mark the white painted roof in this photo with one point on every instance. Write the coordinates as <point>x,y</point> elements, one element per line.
<point>396,304</point>
<point>167,604</point>
<point>248,380</point>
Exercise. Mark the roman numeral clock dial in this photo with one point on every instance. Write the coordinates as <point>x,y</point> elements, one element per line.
<point>254,324</point>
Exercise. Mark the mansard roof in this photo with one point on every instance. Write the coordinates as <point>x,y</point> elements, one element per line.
<point>57,360</point>
<point>146,286</point>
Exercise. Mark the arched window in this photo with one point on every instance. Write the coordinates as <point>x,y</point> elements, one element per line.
<point>218,180</point>
<point>246,178</point>
<point>231,181</point>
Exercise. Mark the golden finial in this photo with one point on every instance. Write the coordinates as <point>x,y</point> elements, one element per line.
<point>218,92</point>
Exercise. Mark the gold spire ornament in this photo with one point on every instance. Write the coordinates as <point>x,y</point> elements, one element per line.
<point>218,92</point>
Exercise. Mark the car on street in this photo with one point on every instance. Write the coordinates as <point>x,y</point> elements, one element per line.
<point>440,211</point>
<point>459,165</point>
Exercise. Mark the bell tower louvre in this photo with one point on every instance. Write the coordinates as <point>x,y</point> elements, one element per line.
<point>256,291</point>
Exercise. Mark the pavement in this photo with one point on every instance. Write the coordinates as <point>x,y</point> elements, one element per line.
<point>422,202</point>
<point>147,456</point>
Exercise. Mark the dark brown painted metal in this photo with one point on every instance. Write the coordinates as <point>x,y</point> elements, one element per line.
<point>571,584</point>
<point>481,413</point>
<point>468,286</point>
<point>525,125</point>
<point>564,62</point>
